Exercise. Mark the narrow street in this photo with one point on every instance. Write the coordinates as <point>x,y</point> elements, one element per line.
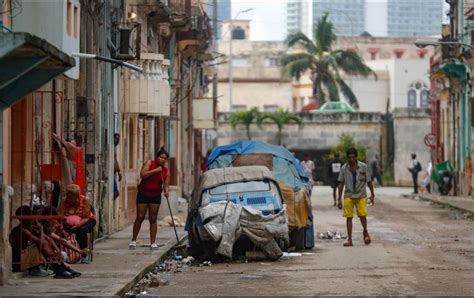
<point>417,249</point>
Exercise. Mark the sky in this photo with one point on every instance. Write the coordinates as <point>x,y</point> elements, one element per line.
<point>268,18</point>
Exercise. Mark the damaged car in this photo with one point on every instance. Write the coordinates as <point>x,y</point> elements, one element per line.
<point>292,181</point>
<point>235,210</point>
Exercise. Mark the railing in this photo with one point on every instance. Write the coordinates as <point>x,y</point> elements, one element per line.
<point>147,92</point>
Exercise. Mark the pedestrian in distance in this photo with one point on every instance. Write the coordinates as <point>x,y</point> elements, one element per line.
<point>376,171</point>
<point>308,167</point>
<point>334,170</point>
<point>117,171</point>
<point>414,168</point>
<point>154,181</point>
<point>353,179</point>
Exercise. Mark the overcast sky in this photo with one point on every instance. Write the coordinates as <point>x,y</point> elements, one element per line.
<point>268,17</point>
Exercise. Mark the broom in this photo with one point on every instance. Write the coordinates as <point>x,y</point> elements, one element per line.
<point>178,242</point>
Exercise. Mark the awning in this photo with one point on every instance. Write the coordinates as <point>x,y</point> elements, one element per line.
<point>455,70</point>
<point>27,62</point>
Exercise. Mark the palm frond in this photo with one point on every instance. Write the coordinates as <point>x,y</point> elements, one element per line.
<point>301,39</point>
<point>324,35</point>
<point>244,117</point>
<point>351,63</point>
<point>296,68</point>
<point>348,94</point>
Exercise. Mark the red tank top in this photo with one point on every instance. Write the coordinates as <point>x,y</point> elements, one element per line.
<point>152,186</point>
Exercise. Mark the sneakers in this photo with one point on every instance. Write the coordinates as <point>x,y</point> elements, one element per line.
<point>85,260</point>
<point>38,271</point>
<point>132,245</point>
<point>154,246</point>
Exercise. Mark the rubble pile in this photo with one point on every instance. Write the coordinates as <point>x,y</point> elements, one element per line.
<point>331,235</point>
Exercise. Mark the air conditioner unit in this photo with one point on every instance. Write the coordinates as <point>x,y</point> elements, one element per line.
<point>127,41</point>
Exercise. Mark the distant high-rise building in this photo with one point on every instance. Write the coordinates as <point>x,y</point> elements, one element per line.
<point>398,18</point>
<point>347,16</point>
<point>223,13</point>
<point>299,17</point>
<point>414,18</point>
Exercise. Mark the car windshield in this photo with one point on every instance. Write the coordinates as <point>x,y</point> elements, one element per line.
<point>249,186</point>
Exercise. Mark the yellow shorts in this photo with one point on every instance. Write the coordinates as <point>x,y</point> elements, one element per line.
<point>360,204</point>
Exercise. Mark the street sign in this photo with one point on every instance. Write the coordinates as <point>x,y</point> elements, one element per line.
<point>430,140</point>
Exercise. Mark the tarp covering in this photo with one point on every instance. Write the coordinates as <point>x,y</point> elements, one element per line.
<point>297,204</point>
<point>285,166</point>
<point>226,222</point>
<point>216,177</point>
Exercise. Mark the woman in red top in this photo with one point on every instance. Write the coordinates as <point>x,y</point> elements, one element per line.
<point>79,218</point>
<point>155,180</point>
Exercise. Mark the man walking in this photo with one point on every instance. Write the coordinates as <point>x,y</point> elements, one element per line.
<point>375,168</point>
<point>354,177</point>
<point>335,169</point>
<point>414,168</point>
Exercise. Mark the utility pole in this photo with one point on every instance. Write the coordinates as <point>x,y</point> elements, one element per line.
<point>215,76</point>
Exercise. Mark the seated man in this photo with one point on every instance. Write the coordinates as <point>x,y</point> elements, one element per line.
<point>79,218</point>
<point>31,247</point>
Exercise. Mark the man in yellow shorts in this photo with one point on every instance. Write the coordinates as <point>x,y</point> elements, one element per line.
<point>354,177</point>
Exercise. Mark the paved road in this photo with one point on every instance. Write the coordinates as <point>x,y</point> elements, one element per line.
<point>417,249</point>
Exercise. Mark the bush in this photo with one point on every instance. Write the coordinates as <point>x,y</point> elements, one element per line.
<point>345,142</point>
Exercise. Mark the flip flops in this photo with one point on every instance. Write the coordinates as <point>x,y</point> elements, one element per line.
<point>348,243</point>
<point>367,239</point>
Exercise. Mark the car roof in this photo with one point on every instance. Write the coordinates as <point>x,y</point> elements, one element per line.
<point>221,176</point>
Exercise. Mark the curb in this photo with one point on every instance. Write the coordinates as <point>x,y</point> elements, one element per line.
<point>140,275</point>
<point>443,203</point>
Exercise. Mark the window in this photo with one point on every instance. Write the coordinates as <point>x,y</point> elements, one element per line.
<point>270,108</point>
<point>68,18</point>
<point>241,187</point>
<point>412,99</point>
<point>271,62</point>
<point>418,95</point>
<point>425,99</point>
<point>240,62</point>
<point>76,21</point>
<point>239,108</point>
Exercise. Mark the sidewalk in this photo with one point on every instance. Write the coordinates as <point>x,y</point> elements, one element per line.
<point>465,204</point>
<point>114,271</point>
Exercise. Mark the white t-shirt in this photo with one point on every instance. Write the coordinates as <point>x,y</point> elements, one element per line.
<point>308,168</point>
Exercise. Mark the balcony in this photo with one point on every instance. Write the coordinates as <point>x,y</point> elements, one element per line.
<point>148,92</point>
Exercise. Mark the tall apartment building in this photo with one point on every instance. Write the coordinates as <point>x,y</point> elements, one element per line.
<point>397,18</point>
<point>414,18</point>
<point>223,13</point>
<point>299,17</point>
<point>348,16</point>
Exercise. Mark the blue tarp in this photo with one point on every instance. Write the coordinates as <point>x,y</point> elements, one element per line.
<point>285,166</point>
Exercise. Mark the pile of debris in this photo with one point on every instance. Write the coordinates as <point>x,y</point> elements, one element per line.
<point>331,235</point>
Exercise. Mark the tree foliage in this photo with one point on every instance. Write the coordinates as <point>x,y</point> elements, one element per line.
<point>323,63</point>
<point>346,141</point>
<point>280,118</point>
<point>246,118</point>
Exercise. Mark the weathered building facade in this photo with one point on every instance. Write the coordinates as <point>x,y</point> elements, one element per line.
<point>91,102</point>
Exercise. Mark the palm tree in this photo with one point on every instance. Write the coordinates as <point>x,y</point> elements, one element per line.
<point>281,118</point>
<point>324,63</point>
<point>246,118</point>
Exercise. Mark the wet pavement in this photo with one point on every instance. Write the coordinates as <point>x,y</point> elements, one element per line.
<point>418,248</point>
